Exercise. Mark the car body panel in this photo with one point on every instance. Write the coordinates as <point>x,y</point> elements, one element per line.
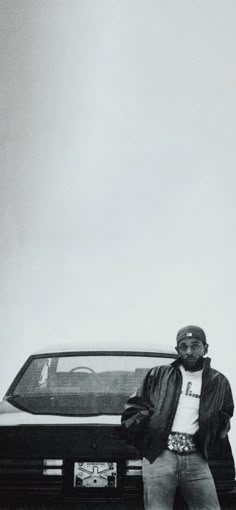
<point>11,415</point>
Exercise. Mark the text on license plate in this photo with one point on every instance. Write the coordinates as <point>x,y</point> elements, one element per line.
<point>95,474</point>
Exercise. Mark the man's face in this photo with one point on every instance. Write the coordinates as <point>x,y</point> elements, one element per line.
<point>191,351</point>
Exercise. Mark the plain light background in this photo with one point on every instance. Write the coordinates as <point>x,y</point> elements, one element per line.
<point>117,175</point>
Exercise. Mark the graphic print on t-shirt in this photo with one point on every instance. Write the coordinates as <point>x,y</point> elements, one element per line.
<point>186,417</point>
<point>189,392</point>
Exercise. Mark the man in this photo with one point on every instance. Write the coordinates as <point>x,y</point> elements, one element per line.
<point>177,413</point>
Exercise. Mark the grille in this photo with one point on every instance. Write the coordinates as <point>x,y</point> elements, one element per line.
<point>25,477</point>
<point>225,486</point>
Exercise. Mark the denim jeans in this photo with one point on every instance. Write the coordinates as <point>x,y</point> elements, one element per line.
<point>189,472</point>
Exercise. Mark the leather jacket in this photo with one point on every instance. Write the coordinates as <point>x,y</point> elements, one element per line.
<point>149,414</point>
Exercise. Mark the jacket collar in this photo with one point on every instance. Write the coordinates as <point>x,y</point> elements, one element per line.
<point>206,363</point>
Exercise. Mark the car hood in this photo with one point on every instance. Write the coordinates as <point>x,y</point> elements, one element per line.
<point>11,416</point>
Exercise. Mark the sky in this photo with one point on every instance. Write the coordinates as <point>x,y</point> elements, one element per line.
<point>117,195</point>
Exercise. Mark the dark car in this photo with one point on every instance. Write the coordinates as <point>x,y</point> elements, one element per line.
<point>60,430</point>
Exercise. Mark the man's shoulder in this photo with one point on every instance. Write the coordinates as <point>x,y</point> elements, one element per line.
<point>216,374</point>
<point>161,369</point>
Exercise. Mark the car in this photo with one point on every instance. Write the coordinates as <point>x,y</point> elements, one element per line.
<point>61,437</point>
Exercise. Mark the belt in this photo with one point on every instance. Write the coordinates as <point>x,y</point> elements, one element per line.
<point>181,443</point>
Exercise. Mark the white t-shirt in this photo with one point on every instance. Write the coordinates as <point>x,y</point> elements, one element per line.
<point>187,413</point>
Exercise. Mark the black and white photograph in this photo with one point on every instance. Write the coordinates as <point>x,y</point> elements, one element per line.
<point>117,255</point>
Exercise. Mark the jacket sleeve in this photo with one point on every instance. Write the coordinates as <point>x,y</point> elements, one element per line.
<point>227,410</point>
<point>138,409</point>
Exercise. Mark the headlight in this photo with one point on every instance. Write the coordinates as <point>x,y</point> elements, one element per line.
<point>52,472</point>
<point>53,467</point>
<point>53,462</point>
<point>134,467</point>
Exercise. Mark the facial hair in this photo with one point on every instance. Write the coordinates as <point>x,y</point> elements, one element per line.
<point>194,368</point>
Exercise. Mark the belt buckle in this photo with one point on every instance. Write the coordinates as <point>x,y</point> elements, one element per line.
<point>181,442</point>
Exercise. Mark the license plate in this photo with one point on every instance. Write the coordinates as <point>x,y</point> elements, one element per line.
<point>95,474</point>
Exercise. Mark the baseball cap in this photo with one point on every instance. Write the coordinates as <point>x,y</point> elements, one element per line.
<point>191,331</point>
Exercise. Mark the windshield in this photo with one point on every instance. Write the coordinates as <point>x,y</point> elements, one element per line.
<point>81,384</point>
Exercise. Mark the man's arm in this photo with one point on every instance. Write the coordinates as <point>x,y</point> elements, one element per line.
<point>227,410</point>
<point>139,407</point>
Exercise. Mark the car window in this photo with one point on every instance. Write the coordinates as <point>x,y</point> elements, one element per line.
<point>87,384</point>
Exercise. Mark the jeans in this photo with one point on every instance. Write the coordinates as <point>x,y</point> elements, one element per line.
<point>189,472</point>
